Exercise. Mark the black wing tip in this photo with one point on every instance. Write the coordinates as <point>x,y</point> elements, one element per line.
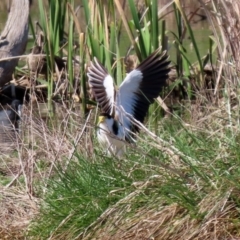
<point>155,69</point>
<point>157,59</point>
<point>96,67</point>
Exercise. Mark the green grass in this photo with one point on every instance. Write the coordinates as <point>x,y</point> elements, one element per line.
<point>146,178</point>
<point>79,196</point>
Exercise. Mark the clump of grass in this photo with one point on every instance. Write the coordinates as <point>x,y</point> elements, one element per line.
<point>87,189</point>
<point>16,211</point>
<point>183,183</point>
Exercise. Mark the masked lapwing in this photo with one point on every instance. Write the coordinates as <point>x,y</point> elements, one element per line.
<point>130,101</point>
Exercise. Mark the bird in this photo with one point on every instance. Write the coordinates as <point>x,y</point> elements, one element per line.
<point>11,114</point>
<point>131,101</point>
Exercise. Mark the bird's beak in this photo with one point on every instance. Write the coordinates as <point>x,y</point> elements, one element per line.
<point>101,119</point>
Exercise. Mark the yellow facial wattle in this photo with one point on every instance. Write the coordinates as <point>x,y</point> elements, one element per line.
<point>101,119</point>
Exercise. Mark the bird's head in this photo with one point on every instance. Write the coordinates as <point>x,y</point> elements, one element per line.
<point>109,122</point>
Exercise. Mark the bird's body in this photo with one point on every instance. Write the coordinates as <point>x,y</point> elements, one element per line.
<point>111,135</point>
<point>132,100</point>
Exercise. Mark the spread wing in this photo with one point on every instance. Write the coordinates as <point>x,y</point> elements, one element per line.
<point>140,87</point>
<point>102,86</point>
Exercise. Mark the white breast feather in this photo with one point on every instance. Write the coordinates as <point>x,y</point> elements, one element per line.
<point>114,144</point>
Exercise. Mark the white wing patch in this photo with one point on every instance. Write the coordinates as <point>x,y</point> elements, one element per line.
<point>108,84</point>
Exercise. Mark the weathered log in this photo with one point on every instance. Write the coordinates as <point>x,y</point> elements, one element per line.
<point>13,39</point>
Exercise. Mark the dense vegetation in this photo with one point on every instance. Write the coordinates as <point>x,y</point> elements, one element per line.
<point>181,179</point>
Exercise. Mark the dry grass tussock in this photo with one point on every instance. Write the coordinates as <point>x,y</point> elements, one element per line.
<point>168,221</point>
<point>16,210</point>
